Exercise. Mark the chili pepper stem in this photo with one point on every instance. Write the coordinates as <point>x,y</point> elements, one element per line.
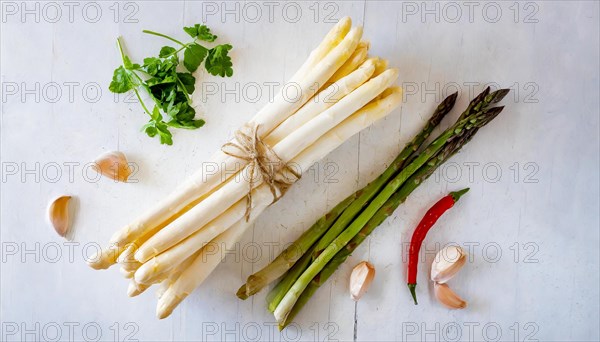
<point>457,194</point>
<point>413,292</point>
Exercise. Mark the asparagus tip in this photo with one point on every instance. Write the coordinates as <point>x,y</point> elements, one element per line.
<point>493,112</point>
<point>444,107</point>
<point>413,292</point>
<point>498,95</point>
<point>453,96</point>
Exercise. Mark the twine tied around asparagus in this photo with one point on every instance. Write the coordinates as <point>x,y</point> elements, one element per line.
<point>263,163</point>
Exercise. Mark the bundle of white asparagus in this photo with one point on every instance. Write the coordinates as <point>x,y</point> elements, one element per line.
<point>174,243</point>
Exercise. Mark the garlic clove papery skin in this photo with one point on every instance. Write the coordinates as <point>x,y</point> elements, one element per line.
<point>113,165</point>
<point>447,263</point>
<point>447,297</point>
<point>360,279</point>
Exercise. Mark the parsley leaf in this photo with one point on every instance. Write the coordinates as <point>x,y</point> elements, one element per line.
<point>156,125</point>
<point>121,81</point>
<point>193,55</point>
<point>129,65</point>
<point>191,124</point>
<point>201,32</point>
<point>166,51</point>
<point>187,80</point>
<point>218,61</point>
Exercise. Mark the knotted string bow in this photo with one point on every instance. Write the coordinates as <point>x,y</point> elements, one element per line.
<point>263,163</point>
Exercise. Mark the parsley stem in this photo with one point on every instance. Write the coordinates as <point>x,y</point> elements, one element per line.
<point>175,52</point>
<point>141,82</point>
<point>164,36</point>
<point>137,94</point>
<point>121,50</point>
<point>187,96</point>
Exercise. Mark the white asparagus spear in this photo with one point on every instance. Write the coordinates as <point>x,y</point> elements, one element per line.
<point>331,39</point>
<point>127,260</point>
<point>131,266</point>
<point>105,258</point>
<point>287,149</point>
<point>261,195</point>
<point>318,74</point>
<point>162,288</point>
<point>124,254</point>
<point>205,263</point>
<point>323,100</point>
<point>114,253</point>
<point>207,260</point>
<point>127,254</point>
<point>380,67</point>
<point>126,273</point>
<point>175,273</point>
<point>310,132</point>
<point>267,119</point>
<point>358,57</point>
<point>161,264</point>
<point>135,289</point>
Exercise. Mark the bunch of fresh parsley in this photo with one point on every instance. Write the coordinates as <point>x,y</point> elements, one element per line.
<point>168,88</point>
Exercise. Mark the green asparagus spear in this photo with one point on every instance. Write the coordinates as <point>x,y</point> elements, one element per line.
<point>386,210</point>
<point>276,294</point>
<point>470,122</point>
<point>373,188</point>
<point>290,255</point>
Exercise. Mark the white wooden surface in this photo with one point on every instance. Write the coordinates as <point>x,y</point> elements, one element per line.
<point>532,231</point>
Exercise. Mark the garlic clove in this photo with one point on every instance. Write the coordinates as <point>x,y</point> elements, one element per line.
<point>58,213</point>
<point>360,279</point>
<point>447,297</point>
<point>447,263</point>
<point>113,165</point>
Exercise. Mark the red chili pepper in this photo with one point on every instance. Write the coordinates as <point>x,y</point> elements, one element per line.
<point>432,215</point>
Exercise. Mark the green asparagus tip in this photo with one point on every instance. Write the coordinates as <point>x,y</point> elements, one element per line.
<point>498,95</point>
<point>457,194</point>
<point>451,99</point>
<point>413,292</point>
